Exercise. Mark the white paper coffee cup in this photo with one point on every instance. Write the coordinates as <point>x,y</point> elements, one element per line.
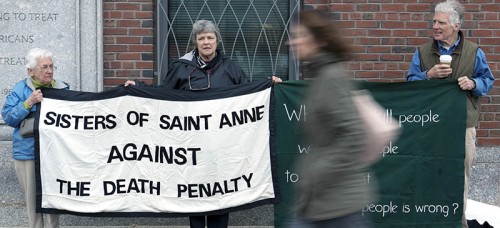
<point>445,59</point>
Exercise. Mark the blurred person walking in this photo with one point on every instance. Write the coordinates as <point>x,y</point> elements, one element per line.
<point>331,190</point>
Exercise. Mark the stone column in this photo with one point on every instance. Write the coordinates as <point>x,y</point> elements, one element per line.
<point>72,30</point>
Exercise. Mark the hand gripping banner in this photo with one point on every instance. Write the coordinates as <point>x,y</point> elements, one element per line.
<point>145,151</point>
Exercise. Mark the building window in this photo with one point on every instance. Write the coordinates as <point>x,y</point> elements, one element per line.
<point>254,33</point>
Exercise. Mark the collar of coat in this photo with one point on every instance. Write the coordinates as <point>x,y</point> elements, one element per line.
<point>458,49</point>
<point>191,59</point>
<point>323,58</point>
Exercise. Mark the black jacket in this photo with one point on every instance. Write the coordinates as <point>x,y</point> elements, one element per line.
<point>185,71</point>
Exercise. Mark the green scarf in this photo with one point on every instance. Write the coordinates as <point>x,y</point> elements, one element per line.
<point>39,84</point>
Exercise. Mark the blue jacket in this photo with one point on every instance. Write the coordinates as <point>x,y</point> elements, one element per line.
<point>13,112</point>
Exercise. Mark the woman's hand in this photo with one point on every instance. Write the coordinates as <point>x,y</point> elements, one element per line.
<point>35,97</point>
<point>129,82</point>
<point>276,80</point>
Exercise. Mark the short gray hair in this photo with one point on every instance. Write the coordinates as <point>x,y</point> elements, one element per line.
<point>454,9</point>
<point>34,55</point>
<point>202,26</point>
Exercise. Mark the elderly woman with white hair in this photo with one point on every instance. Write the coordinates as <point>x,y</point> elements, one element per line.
<point>205,67</point>
<point>20,105</point>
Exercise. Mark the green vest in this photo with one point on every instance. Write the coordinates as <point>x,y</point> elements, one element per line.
<point>464,58</point>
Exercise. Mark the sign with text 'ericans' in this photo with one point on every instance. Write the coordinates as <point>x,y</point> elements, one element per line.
<point>27,24</point>
<point>144,151</point>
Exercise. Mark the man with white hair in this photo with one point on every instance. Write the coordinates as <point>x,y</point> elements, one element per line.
<point>468,66</point>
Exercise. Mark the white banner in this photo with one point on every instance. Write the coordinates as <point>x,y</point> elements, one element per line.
<point>125,153</point>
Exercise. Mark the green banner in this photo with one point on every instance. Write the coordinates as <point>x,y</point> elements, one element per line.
<point>420,176</point>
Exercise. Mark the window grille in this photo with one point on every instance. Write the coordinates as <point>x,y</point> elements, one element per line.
<point>254,33</point>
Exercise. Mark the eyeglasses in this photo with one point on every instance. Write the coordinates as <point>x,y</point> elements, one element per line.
<point>45,68</point>
<point>203,88</point>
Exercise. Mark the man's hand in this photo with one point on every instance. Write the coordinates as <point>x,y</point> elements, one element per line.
<point>439,71</point>
<point>466,84</point>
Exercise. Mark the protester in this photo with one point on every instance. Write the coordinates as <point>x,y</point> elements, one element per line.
<point>20,105</point>
<point>204,68</point>
<point>331,190</point>
<point>468,66</point>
